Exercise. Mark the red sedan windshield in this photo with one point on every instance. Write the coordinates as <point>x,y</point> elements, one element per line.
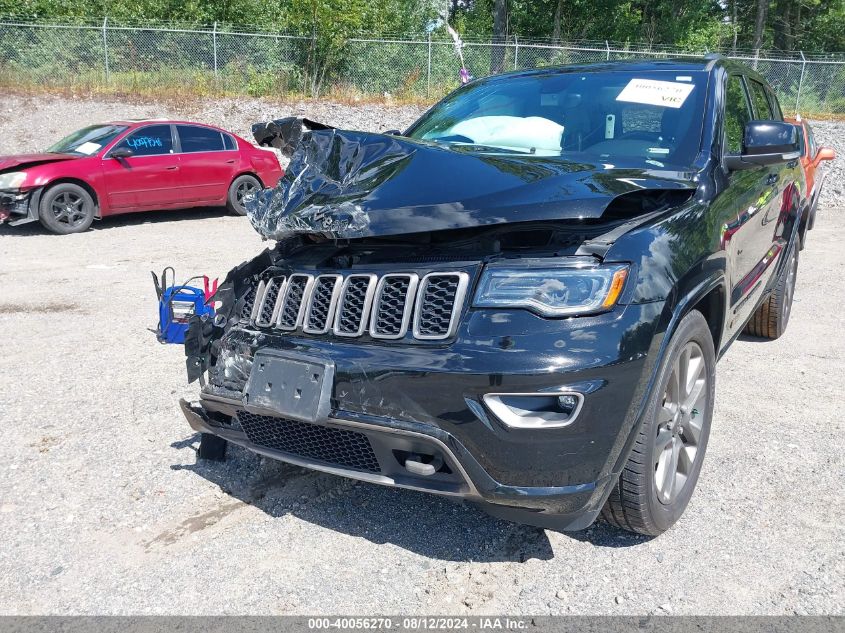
<point>87,141</point>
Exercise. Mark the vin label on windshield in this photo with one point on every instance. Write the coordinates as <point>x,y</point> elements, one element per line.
<point>669,94</point>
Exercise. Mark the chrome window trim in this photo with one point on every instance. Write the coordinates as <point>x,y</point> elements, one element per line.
<point>338,281</point>
<point>460,295</point>
<point>368,303</point>
<point>309,282</point>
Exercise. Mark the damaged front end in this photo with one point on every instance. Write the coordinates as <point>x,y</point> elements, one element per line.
<point>19,207</point>
<point>376,338</point>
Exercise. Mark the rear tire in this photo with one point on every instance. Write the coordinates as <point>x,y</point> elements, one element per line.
<point>66,208</point>
<point>771,318</point>
<point>241,187</point>
<point>659,478</point>
<point>212,448</point>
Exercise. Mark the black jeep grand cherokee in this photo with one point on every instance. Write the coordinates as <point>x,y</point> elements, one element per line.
<point>520,301</point>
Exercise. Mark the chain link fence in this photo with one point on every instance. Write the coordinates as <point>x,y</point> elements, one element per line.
<point>217,61</point>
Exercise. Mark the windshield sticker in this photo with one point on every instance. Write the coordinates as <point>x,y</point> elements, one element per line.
<point>88,148</point>
<point>669,94</point>
<point>144,141</point>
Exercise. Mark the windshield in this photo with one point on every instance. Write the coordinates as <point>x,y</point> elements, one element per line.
<point>648,118</point>
<point>87,141</point>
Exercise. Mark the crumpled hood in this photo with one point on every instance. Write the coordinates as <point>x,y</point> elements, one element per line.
<point>345,184</point>
<point>31,160</point>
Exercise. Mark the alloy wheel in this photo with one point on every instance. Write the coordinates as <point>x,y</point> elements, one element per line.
<point>69,208</point>
<point>244,189</point>
<point>679,423</point>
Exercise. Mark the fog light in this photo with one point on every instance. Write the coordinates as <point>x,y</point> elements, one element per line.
<point>535,410</point>
<point>567,403</point>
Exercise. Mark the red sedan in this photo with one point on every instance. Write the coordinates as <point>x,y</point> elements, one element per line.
<point>128,166</point>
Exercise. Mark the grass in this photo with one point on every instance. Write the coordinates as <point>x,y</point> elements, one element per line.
<point>185,86</point>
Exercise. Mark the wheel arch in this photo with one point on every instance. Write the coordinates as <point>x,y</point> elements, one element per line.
<point>65,180</point>
<point>247,172</point>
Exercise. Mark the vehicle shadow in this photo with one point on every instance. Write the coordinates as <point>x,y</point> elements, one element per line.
<point>425,524</point>
<point>122,221</point>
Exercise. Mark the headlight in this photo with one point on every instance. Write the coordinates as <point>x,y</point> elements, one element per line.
<point>552,292</point>
<point>12,180</point>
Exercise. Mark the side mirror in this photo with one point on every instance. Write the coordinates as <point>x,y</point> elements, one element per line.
<point>120,153</point>
<point>393,133</point>
<point>765,143</point>
<point>826,153</point>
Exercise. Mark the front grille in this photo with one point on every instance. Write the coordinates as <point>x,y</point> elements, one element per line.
<point>339,447</point>
<point>436,301</point>
<point>385,306</point>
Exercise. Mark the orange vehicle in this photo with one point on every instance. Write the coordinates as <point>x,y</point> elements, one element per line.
<point>811,157</point>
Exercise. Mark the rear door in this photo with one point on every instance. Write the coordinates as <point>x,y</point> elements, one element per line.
<point>208,160</point>
<point>149,178</point>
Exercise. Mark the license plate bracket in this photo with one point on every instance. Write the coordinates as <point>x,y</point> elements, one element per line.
<point>291,385</point>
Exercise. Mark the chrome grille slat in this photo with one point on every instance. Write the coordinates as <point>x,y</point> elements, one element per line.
<point>321,304</point>
<point>267,312</point>
<point>353,307</point>
<point>392,305</point>
<point>439,300</point>
<point>293,304</point>
<point>256,304</point>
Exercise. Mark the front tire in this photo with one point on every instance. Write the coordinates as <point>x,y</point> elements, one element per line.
<point>772,317</point>
<point>241,187</point>
<point>658,480</point>
<point>66,208</point>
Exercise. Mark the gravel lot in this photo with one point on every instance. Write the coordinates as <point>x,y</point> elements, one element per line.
<point>104,509</point>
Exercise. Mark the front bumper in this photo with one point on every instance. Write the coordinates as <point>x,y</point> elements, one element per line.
<point>428,400</point>
<point>19,207</point>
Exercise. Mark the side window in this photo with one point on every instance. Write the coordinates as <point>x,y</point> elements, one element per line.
<point>199,139</point>
<point>151,140</point>
<point>777,114</point>
<point>762,111</point>
<point>737,114</point>
<point>229,142</point>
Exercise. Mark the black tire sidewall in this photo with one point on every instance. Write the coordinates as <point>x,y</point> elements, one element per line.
<point>45,215</point>
<point>232,196</point>
<point>781,292</point>
<point>693,327</point>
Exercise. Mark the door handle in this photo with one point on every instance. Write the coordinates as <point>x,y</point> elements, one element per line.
<point>172,168</point>
<point>231,161</point>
